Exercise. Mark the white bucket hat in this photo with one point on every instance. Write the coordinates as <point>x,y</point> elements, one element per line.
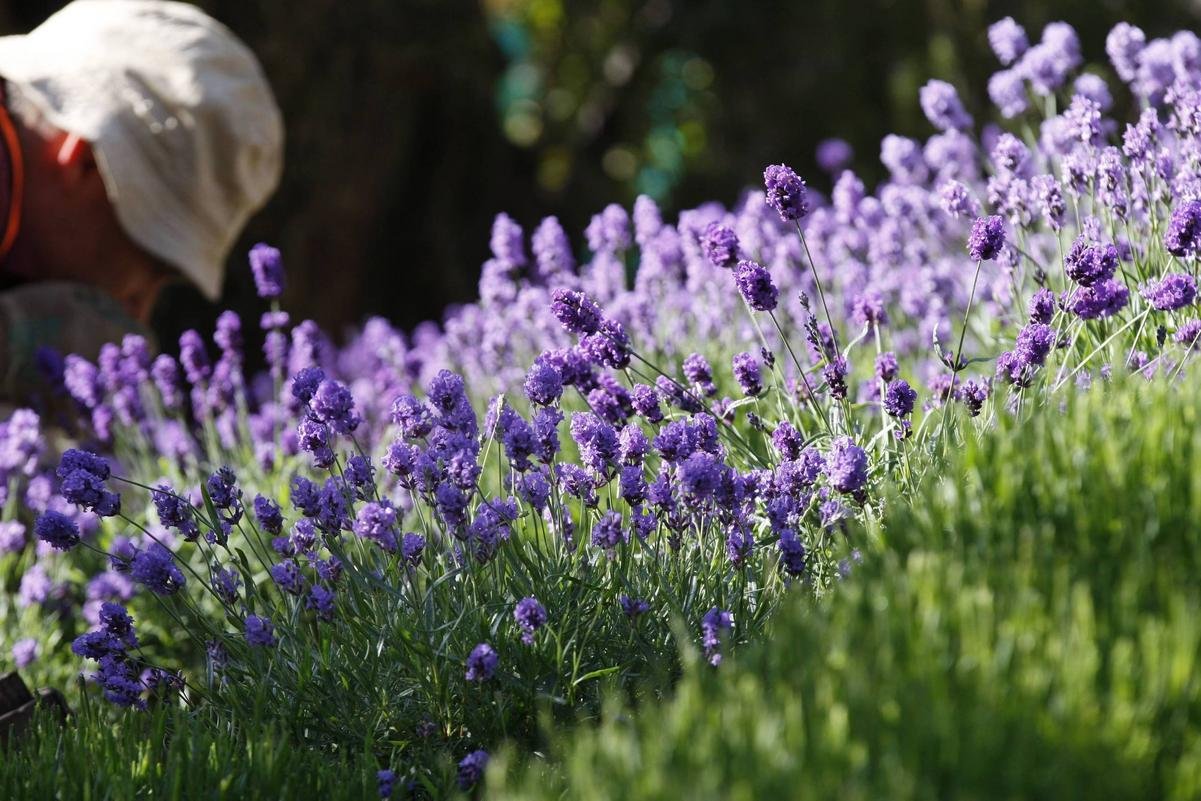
<point>185,130</point>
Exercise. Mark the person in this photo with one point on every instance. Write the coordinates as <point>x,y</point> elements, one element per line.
<point>136,139</point>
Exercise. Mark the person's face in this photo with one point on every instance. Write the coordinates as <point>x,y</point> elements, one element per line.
<point>69,231</point>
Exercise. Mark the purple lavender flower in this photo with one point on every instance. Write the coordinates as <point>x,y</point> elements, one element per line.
<point>117,623</point>
<point>552,250</point>
<point>1095,89</point>
<point>508,244</point>
<point>12,536</point>
<point>1034,343</point>
<point>1050,199</point>
<point>81,481</point>
<point>268,515</point>
<point>746,373</point>
<point>226,582</point>
<point>942,107</point>
<point>1008,40</point>
<point>1007,91</point>
<point>471,769</point>
<point>886,366</point>
<point>786,192</point>
<point>835,374</point>
<point>720,245</point>
<point>756,286</point>
<point>609,231</point>
<point>1183,237</point>
<point>321,601</point>
<point>1102,300</point>
<point>634,607</point>
<point>597,441</point>
<point>260,632</point>
<point>305,383</point>
<point>287,577</point>
<point>575,311</point>
<point>739,545</point>
<point>543,384</point>
<point>1173,291</point>
<point>414,418</point>
<point>268,268</point>
<point>645,400</point>
<point>57,530</point>
<point>698,373</point>
<point>228,334</point>
<point>1088,264</point>
<point>713,624</point>
<point>154,568</point>
<point>846,466</point>
<point>194,357</point>
<point>174,511</point>
<point>376,521</point>
<point>1041,306</point>
<point>608,345</point>
<point>25,652</point>
<point>384,780</point>
<point>787,440</point>
<point>333,405</point>
<point>412,546</point>
<point>973,394</point>
<point>481,663</point>
<point>987,238</point>
<point>1123,45</point>
<point>530,616</point>
<point>792,553</point>
<point>1185,335</point>
<point>956,200</point>
<point>899,398</point>
<point>834,155</point>
<point>608,532</point>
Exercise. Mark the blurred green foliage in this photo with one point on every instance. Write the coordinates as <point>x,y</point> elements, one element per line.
<point>1025,628</point>
<point>411,123</point>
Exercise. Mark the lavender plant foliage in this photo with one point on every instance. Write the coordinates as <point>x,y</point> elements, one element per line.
<point>685,417</point>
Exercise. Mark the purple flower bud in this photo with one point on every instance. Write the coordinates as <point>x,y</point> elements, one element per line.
<point>846,466</point>
<point>987,238</point>
<point>530,616</point>
<point>267,266</point>
<point>746,373</point>
<point>1173,291</point>
<point>899,398</point>
<point>720,245</point>
<point>260,632</point>
<point>481,663</point>
<point>575,311</point>
<point>1008,40</point>
<point>57,530</point>
<point>756,286</point>
<point>471,769</point>
<point>786,192</point>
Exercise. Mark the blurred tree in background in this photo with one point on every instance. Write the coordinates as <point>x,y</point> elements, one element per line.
<point>412,122</point>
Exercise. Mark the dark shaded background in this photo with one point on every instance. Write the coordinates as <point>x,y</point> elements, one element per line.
<point>411,123</point>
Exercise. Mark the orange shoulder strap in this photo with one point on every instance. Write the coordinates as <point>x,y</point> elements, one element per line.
<point>17,164</point>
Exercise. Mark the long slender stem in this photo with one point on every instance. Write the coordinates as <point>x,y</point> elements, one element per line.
<point>956,365</point>
<point>817,281</point>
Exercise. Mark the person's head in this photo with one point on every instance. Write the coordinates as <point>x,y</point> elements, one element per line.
<point>69,230</point>
<point>149,135</point>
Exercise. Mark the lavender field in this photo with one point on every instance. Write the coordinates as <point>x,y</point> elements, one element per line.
<point>890,493</point>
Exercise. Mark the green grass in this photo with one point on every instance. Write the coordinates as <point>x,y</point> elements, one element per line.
<point>1027,627</point>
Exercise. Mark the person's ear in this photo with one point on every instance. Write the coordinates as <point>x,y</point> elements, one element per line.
<point>74,158</point>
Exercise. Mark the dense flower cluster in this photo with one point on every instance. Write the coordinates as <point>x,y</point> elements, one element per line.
<point>496,505</point>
